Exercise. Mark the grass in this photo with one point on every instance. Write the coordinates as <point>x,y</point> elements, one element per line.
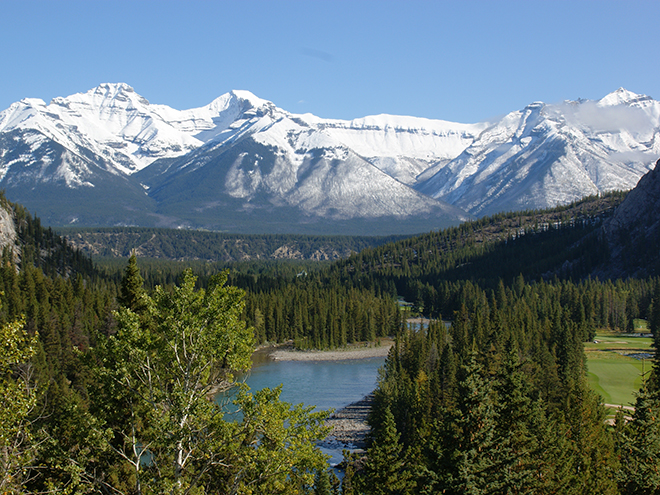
<point>613,372</point>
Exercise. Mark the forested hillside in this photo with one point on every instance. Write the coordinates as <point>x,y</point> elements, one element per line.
<point>189,245</point>
<point>496,402</point>
<point>499,402</point>
<point>105,387</point>
<point>562,243</point>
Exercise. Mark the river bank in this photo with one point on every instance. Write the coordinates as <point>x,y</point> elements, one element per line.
<point>349,427</point>
<point>288,353</point>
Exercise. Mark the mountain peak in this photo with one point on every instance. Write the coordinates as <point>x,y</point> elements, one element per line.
<point>619,97</point>
<point>114,87</point>
<point>242,153</point>
<point>242,94</point>
<point>236,99</point>
<point>105,95</point>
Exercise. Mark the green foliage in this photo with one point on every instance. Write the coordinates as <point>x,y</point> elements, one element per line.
<point>132,293</point>
<point>17,400</point>
<point>159,374</point>
<point>638,444</point>
<point>499,402</point>
<point>496,403</point>
<point>385,471</point>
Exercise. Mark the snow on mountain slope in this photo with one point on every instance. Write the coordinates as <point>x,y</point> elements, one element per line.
<point>545,155</point>
<point>120,126</point>
<point>276,159</point>
<point>243,152</point>
<point>123,128</point>
<point>403,147</point>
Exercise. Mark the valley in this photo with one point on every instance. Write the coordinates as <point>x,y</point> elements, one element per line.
<point>104,341</point>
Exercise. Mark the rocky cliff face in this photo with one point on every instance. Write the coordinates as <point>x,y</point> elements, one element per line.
<point>7,229</point>
<point>633,232</point>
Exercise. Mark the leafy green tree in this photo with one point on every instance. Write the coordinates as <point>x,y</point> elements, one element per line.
<point>17,400</point>
<point>271,450</point>
<point>160,375</point>
<point>172,369</point>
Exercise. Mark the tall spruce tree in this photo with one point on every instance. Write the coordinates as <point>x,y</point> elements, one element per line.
<point>132,291</point>
<point>638,445</point>
<point>322,485</point>
<point>654,326</point>
<point>462,451</point>
<point>520,421</point>
<point>386,471</point>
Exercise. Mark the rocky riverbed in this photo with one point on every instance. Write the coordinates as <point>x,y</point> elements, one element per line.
<point>349,426</point>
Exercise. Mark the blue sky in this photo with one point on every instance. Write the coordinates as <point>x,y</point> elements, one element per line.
<point>462,61</point>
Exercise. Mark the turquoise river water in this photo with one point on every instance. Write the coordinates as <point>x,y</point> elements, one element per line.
<point>324,384</point>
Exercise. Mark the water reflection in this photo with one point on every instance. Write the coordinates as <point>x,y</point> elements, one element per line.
<point>323,384</point>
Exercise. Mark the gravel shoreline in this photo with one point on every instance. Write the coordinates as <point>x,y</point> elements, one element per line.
<point>349,428</point>
<point>280,354</point>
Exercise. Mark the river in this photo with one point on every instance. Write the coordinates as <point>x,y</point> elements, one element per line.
<point>324,384</point>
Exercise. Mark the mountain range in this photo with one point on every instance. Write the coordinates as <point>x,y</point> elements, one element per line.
<point>108,157</point>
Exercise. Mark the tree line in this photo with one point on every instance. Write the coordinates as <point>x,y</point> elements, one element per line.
<point>498,402</point>
<point>96,399</point>
<point>122,393</point>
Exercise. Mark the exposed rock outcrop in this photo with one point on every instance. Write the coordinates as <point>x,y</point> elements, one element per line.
<point>633,232</point>
<point>7,229</point>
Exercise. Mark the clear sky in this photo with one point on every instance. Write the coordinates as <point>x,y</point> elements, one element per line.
<point>463,61</point>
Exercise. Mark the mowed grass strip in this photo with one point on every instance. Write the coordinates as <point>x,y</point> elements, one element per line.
<point>612,372</point>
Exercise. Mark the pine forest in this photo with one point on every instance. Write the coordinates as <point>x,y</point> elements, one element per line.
<point>108,368</point>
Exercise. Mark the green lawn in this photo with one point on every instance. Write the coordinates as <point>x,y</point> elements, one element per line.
<point>612,372</point>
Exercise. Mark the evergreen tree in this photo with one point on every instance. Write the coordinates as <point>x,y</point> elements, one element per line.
<point>463,452</point>
<point>322,485</point>
<point>638,445</point>
<point>132,292</point>
<point>386,471</point>
<point>519,423</point>
<point>654,326</point>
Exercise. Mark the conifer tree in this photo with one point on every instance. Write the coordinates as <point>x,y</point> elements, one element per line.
<point>322,485</point>
<point>654,326</point>
<point>462,451</point>
<point>639,448</point>
<point>132,292</point>
<point>518,466</point>
<point>385,471</point>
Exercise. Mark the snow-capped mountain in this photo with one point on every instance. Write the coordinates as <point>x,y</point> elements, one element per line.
<point>115,123</point>
<point>282,168</point>
<point>109,157</point>
<point>548,155</point>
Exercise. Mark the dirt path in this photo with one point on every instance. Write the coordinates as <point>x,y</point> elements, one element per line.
<point>617,406</point>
